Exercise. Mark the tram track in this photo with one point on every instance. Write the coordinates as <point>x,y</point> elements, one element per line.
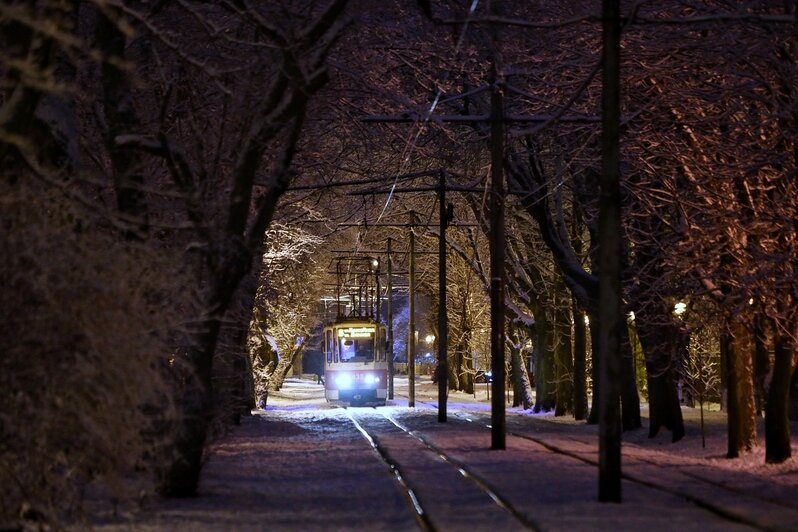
<point>465,471</point>
<point>416,501</point>
<point>422,517</point>
<point>702,503</point>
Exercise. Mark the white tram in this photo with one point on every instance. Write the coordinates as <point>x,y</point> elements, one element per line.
<point>355,362</point>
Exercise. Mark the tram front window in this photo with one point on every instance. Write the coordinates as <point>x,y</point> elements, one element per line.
<point>357,350</point>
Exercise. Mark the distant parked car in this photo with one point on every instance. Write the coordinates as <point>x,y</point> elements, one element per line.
<point>484,376</point>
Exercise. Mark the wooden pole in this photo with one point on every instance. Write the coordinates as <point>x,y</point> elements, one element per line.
<point>443,369</point>
<point>411,326</point>
<point>390,322</point>
<point>497,243</point>
<point>612,318</point>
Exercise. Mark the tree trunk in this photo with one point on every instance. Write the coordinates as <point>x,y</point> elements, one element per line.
<point>742,411</point>
<point>662,345</point>
<point>233,386</point>
<point>464,364</point>
<point>563,356</point>
<point>580,363</point>
<point>594,338</point>
<point>285,364</point>
<point>761,363</point>
<point>227,263</point>
<point>724,341</point>
<point>794,396</point>
<point>630,398</point>
<point>545,384</point>
<point>777,422</point>
<point>522,389</point>
<point>120,117</point>
<point>664,407</point>
<point>515,361</point>
<point>298,367</point>
<point>180,477</point>
<point>467,375</point>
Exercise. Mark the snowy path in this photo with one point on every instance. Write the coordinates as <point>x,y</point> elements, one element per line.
<point>304,465</point>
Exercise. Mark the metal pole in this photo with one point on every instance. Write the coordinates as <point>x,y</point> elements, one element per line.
<point>411,326</point>
<point>443,370</point>
<point>390,321</point>
<point>497,241</point>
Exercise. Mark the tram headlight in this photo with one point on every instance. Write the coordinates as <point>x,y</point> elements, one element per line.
<point>371,379</point>
<point>343,380</point>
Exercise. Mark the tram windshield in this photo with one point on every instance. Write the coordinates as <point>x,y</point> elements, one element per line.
<point>356,349</point>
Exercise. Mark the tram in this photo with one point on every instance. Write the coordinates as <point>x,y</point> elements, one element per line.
<point>355,362</point>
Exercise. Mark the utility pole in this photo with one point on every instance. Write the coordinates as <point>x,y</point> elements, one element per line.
<point>377,310</point>
<point>338,291</point>
<point>610,248</point>
<point>443,336</point>
<point>390,321</point>
<point>497,242</point>
<point>411,335</point>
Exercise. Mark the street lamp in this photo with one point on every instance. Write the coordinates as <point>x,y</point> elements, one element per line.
<point>679,308</point>
<point>430,338</point>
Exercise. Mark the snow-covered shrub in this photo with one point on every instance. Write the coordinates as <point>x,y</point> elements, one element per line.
<point>84,357</point>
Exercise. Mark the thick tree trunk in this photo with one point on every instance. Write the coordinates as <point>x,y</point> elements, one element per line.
<point>563,357</point>
<point>777,419</point>
<point>227,265</point>
<point>545,384</point>
<point>522,389</point>
<point>761,363</point>
<point>467,376</point>
<point>741,408</point>
<point>662,343</point>
<point>463,362</point>
<point>298,367</point>
<point>580,363</point>
<point>285,364</point>
<point>234,387</point>
<point>630,398</point>
<point>515,373</point>
<point>180,477</point>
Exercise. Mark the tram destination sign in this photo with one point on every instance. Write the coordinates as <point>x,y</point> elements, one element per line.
<point>356,332</point>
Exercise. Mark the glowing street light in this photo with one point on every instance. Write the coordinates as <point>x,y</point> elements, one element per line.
<point>679,308</point>
<point>429,338</point>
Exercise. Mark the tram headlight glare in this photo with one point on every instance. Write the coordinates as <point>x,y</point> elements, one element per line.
<point>343,380</point>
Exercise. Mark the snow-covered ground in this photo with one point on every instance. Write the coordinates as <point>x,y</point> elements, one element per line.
<point>302,464</point>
